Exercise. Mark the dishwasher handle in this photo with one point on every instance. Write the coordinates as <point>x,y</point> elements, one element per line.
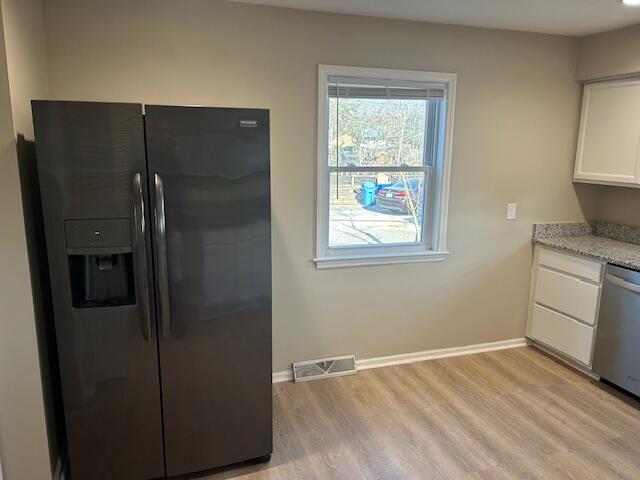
<point>619,282</point>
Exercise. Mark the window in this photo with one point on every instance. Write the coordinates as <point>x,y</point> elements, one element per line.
<point>384,149</point>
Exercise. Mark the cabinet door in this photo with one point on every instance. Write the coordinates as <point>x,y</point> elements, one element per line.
<point>609,138</point>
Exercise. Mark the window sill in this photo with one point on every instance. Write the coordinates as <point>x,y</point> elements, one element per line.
<point>371,260</point>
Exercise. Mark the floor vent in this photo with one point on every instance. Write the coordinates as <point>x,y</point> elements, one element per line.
<point>324,368</point>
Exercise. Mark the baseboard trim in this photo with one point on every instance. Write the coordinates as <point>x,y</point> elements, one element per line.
<point>282,376</point>
<point>404,358</point>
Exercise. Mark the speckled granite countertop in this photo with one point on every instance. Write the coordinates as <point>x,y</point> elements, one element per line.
<point>616,244</point>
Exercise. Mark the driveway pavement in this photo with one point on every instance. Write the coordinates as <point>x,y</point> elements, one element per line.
<point>354,224</point>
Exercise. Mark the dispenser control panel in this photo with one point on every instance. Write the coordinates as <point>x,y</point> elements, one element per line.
<point>98,233</point>
<point>100,262</point>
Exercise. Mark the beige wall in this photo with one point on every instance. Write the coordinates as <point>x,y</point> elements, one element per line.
<point>610,204</point>
<point>26,59</point>
<point>609,54</point>
<point>23,440</point>
<point>515,132</point>
<point>27,73</point>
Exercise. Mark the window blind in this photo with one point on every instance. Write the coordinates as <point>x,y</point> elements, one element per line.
<point>362,88</point>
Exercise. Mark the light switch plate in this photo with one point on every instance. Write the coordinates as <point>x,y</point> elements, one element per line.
<point>511,211</point>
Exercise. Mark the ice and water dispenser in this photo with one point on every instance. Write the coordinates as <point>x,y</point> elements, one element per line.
<point>100,262</point>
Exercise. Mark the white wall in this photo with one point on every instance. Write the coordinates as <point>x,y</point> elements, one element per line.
<point>515,132</point>
<point>23,439</point>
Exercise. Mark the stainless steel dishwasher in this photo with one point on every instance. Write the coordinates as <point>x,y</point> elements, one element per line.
<point>617,350</point>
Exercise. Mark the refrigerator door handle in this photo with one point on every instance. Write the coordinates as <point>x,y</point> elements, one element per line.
<point>140,255</point>
<point>161,260</point>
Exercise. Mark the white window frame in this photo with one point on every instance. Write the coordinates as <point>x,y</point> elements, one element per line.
<point>432,248</point>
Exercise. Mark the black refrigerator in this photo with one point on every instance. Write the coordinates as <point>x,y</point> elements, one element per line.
<point>158,234</point>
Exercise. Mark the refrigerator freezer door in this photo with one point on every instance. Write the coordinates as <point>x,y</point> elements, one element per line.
<point>91,165</point>
<point>209,170</point>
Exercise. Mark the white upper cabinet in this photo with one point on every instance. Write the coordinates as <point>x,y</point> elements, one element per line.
<point>609,140</point>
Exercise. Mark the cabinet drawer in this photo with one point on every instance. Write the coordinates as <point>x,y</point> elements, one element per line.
<point>562,333</point>
<point>567,294</point>
<point>578,266</point>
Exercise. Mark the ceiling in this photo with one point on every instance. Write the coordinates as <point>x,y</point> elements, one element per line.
<point>564,17</point>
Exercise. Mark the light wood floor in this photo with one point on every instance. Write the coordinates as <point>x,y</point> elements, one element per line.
<point>512,414</point>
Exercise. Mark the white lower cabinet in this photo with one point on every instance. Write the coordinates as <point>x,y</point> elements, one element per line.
<point>567,294</point>
<point>581,267</point>
<point>562,333</point>
<point>563,308</point>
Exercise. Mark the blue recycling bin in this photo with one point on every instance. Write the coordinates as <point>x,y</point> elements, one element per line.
<point>368,193</point>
